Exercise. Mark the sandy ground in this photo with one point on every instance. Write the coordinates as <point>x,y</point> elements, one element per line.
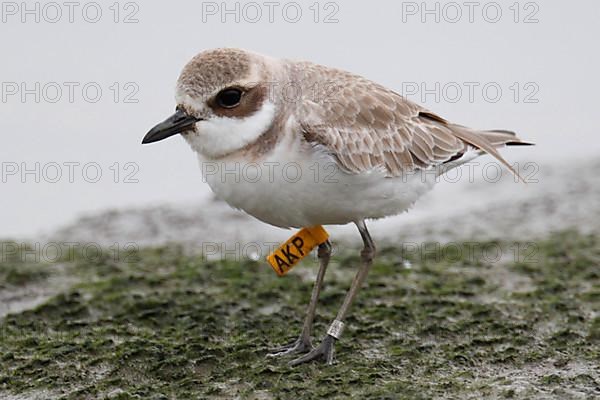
<point>172,326</point>
<point>558,197</point>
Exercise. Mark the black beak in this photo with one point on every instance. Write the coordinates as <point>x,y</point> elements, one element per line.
<point>176,123</point>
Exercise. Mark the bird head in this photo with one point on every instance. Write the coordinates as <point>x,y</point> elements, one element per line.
<point>223,102</point>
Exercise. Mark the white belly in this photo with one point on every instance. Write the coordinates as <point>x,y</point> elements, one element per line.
<point>298,188</point>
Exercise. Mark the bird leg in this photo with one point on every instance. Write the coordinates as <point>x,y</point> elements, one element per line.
<point>303,343</point>
<point>326,348</point>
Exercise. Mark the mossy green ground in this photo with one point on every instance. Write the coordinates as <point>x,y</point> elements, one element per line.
<point>453,325</point>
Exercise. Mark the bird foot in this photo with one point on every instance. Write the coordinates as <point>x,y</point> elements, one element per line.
<point>325,350</point>
<point>300,345</point>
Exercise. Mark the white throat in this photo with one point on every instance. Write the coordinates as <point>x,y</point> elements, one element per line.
<point>219,136</point>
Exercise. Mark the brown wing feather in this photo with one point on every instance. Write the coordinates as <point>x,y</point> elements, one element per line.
<point>366,126</point>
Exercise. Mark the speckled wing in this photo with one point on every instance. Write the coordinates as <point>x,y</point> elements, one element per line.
<point>366,126</point>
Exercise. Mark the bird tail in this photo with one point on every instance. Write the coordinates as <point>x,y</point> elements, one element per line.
<point>489,141</point>
<point>499,138</point>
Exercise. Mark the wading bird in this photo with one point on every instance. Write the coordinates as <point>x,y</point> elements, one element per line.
<point>363,151</point>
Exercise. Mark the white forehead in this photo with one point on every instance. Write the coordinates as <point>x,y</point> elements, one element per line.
<point>196,96</point>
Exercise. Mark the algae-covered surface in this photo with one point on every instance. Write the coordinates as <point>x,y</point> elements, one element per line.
<point>457,321</point>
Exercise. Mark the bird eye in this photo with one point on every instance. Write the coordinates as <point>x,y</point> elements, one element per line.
<point>229,98</point>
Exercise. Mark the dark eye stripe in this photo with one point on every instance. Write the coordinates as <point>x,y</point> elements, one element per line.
<point>251,100</point>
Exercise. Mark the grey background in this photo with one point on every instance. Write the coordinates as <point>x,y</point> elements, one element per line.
<point>558,54</point>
